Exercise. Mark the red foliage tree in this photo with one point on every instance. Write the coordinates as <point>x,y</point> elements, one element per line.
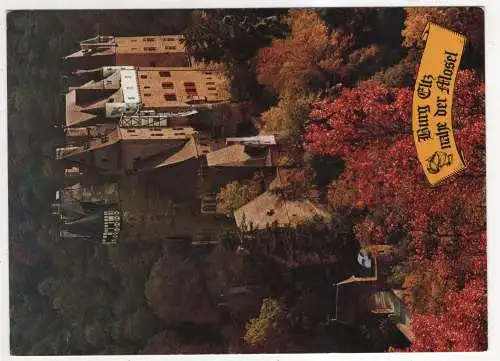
<point>371,129</point>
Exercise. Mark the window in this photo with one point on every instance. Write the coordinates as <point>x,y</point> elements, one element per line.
<point>208,72</point>
<point>152,48</point>
<point>170,47</point>
<point>210,83</point>
<point>157,134</point>
<point>177,128</point>
<point>212,88</point>
<point>154,129</point>
<point>167,85</point>
<point>134,40</point>
<point>147,94</point>
<point>129,87</point>
<point>180,133</point>
<point>164,74</point>
<point>134,48</point>
<point>147,87</point>
<point>131,130</point>
<point>144,76</point>
<point>130,98</point>
<point>170,97</point>
<point>190,88</point>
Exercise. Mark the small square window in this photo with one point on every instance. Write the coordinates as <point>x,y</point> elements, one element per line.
<point>147,87</point>
<point>144,76</point>
<point>147,94</point>
<point>164,74</point>
<point>167,85</point>
<point>170,97</point>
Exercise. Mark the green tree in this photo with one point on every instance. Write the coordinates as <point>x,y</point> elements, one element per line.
<point>176,293</point>
<point>267,332</point>
<point>232,36</point>
<point>236,194</point>
<point>287,118</point>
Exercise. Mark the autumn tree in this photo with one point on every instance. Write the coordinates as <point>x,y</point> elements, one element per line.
<point>468,21</point>
<point>399,75</point>
<point>315,56</point>
<point>368,128</point>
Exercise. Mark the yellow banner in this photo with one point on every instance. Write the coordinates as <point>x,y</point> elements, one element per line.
<point>433,101</point>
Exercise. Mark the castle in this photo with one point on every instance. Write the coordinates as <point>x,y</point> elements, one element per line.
<point>159,132</point>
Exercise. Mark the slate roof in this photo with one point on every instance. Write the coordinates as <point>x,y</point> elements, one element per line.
<point>268,209</point>
<point>235,155</point>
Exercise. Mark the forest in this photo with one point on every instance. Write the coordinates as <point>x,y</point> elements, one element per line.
<point>335,86</point>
